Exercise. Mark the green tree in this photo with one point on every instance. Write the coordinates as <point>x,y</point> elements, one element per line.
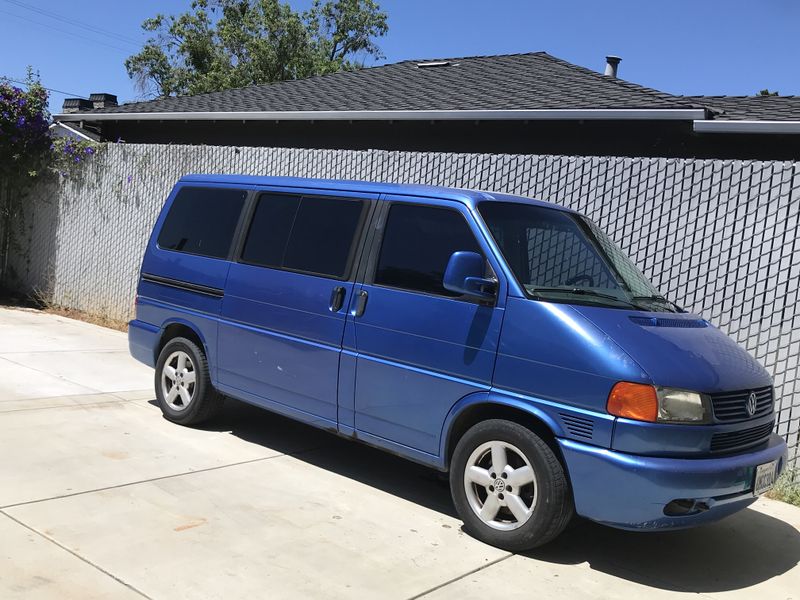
<point>766,92</point>
<point>222,44</point>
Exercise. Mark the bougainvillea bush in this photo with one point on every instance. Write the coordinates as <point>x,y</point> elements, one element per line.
<point>68,152</point>
<point>24,137</point>
<point>28,153</point>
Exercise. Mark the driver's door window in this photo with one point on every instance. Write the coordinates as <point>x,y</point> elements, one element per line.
<point>417,245</point>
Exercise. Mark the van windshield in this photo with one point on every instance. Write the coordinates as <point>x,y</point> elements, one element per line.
<point>563,257</point>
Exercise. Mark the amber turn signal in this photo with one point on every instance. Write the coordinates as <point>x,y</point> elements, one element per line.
<point>633,401</point>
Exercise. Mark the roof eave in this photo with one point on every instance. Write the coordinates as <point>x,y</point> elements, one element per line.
<point>74,131</point>
<point>682,114</point>
<point>767,127</point>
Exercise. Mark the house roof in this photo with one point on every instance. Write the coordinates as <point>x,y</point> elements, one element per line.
<point>516,82</point>
<point>750,108</point>
<point>533,86</point>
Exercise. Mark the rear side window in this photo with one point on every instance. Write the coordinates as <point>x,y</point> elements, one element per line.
<point>306,234</point>
<point>417,245</point>
<point>202,221</point>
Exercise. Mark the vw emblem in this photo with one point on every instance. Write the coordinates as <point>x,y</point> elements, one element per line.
<point>751,404</point>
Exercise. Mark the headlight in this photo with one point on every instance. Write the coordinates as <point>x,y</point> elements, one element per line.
<point>657,404</point>
<point>680,406</point>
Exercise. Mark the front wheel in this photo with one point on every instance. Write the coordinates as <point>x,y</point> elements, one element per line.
<point>509,487</point>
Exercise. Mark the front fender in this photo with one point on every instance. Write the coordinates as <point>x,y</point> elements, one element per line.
<point>493,398</point>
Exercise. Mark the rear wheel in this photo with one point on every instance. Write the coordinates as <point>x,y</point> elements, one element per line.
<point>183,385</point>
<point>509,487</point>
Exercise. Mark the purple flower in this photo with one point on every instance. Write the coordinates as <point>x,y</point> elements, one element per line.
<point>89,150</point>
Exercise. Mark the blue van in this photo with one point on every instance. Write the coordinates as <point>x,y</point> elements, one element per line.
<point>504,340</point>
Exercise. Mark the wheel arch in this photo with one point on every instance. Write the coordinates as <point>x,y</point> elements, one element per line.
<point>179,328</point>
<point>481,406</point>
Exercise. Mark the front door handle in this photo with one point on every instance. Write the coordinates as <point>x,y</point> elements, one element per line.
<point>337,299</point>
<point>361,303</point>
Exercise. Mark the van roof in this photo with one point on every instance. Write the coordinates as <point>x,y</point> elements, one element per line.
<point>470,197</point>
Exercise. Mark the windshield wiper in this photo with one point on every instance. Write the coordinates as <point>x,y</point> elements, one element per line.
<point>659,298</point>
<point>580,292</point>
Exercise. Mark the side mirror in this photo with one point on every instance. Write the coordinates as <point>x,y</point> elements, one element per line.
<point>465,275</point>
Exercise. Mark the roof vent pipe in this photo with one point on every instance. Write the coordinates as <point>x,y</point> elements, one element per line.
<point>612,62</point>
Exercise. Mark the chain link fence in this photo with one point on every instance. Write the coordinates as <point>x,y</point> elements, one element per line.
<point>719,237</point>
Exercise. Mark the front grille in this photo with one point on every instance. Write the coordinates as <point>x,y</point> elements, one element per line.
<point>731,406</point>
<point>736,440</point>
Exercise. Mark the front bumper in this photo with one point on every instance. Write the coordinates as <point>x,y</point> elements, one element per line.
<point>630,491</point>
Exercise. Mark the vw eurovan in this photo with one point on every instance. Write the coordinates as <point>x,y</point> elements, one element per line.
<point>504,340</point>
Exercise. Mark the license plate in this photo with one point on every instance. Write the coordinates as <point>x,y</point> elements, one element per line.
<point>765,477</point>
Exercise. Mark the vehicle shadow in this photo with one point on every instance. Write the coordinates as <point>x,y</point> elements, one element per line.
<point>738,552</point>
<point>376,468</point>
<point>741,551</point>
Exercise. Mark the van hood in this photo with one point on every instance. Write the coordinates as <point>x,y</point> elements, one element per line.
<point>680,350</point>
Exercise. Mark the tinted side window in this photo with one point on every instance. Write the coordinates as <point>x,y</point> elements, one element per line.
<point>322,236</point>
<point>312,235</point>
<point>418,242</point>
<point>202,221</point>
<point>269,230</point>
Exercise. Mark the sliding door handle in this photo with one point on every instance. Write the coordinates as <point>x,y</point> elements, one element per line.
<point>337,299</point>
<point>361,303</point>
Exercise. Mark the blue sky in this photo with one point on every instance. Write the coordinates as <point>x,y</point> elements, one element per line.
<point>679,46</point>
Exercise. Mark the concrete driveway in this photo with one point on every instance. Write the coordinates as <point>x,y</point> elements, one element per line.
<point>102,498</point>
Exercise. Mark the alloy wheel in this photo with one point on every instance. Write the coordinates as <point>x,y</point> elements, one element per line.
<point>501,485</point>
<point>178,380</point>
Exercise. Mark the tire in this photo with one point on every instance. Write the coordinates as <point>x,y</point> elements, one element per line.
<point>183,386</point>
<point>539,504</point>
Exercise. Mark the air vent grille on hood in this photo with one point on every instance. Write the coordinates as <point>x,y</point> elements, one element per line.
<point>667,322</point>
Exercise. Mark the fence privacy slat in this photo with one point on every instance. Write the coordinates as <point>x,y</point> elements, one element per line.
<point>719,237</point>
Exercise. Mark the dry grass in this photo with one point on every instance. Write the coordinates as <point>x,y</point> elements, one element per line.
<point>787,488</point>
<point>39,301</point>
<point>80,315</point>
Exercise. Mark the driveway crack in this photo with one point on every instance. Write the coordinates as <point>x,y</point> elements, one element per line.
<point>141,481</point>
<point>76,555</point>
<point>462,576</point>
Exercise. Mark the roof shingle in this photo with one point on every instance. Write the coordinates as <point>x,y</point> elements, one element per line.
<point>750,108</point>
<point>517,81</point>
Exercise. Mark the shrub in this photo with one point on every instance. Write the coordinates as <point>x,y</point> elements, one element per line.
<point>27,152</point>
<point>787,488</point>
<point>24,136</point>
